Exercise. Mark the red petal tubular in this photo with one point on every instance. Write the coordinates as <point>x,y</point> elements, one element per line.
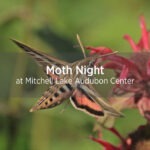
<point>132,43</point>
<point>113,130</point>
<point>140,45</point>
<point>105,144</point>
<point>124,72</point>
<point>143,43</point>
<point>101,50</point>
<point>144,33</point>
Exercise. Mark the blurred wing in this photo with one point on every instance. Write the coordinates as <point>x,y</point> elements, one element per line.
<point>54,96</point>
<point>42,59</point>
<point>88,99</point>
<point>83,102</point>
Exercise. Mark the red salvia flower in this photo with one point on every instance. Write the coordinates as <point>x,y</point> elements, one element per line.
<point>137,68</point>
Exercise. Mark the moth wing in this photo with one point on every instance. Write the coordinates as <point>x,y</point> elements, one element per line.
<point>92,93</point>
<point>85,98</point>
<point>42,59</point>
<point>81,101</point>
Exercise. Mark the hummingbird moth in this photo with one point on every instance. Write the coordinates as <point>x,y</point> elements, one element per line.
<point>82,96</point>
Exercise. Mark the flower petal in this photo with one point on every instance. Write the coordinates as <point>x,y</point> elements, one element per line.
<point>124,72</point>
<point>144,33</point>
<point>132,43</point>
<point>107,145</point>
<point>101,50</point>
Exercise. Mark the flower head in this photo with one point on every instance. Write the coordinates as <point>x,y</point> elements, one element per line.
<point>136,67</point>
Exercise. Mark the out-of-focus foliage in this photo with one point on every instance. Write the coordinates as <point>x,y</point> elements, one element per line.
<point>51,26</point>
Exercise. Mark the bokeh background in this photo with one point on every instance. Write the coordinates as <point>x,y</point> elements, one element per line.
<point>51,26</point>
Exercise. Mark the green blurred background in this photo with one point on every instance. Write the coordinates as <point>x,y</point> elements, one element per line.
<point>51,26</point>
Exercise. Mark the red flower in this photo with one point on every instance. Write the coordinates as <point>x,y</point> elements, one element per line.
<point>137,140</point>
<point>137,68</point>
<point>144,42</point>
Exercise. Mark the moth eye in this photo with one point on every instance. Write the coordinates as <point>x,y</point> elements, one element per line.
<point>56,94</point>
<point>51,99</point>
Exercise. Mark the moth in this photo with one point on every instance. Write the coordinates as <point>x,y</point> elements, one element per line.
<point>82,96</point>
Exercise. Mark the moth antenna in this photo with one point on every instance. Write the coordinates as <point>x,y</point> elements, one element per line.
<point>81,45</point>
<point>110,53</point>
